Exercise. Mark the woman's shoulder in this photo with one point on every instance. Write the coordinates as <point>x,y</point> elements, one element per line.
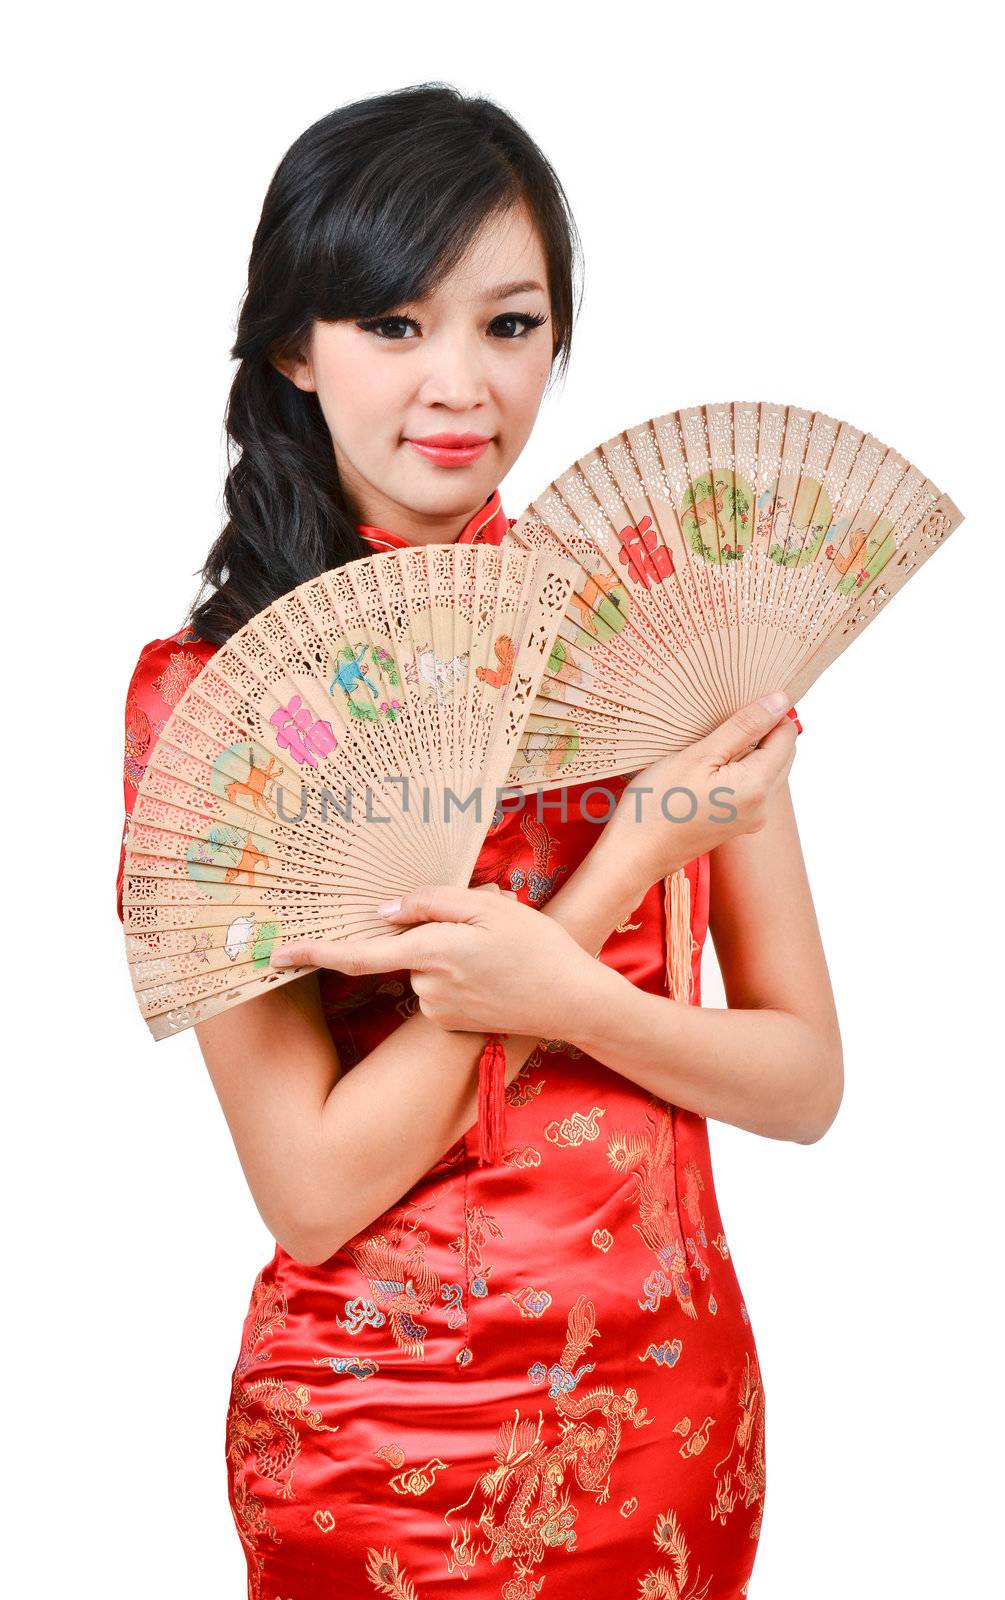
<point>163,671</point>
<point>180,655</point>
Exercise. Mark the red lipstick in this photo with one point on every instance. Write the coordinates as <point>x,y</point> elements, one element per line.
<point>451,449</point>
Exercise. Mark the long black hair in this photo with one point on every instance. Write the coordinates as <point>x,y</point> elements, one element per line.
<point>369,208</point>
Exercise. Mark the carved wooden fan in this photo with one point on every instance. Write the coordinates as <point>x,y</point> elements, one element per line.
<point>307,771</point>
<point>729,550</point>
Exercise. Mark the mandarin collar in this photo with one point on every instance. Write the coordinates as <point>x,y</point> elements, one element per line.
<point>487,526</point>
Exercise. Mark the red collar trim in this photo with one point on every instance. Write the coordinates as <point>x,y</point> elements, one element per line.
<point>487,526</point>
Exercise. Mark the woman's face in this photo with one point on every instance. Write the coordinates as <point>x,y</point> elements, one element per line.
<point>463,361</point>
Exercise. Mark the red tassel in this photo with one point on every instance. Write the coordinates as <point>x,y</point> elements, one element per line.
<point>492,1100</point>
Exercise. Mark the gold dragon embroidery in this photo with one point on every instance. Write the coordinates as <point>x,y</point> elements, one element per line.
<point>740,1474</point>
<point>651,1156</point>
<point>522,1506</point>
<point>262,1432</point>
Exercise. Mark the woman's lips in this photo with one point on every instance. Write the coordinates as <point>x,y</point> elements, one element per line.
<point>450,458</point>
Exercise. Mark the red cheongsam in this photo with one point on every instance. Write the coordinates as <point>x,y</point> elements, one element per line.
<point>531,1378</point>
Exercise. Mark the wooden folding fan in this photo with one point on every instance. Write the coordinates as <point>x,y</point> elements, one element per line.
<point>729,550</point>
<point>346,745</point>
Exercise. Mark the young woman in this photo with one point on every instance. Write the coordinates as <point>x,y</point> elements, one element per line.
<point>540,1374</point>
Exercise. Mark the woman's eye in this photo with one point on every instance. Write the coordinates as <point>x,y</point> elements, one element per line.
<point>520,316</point>
<point>377,325</point>
<point>371,324</point>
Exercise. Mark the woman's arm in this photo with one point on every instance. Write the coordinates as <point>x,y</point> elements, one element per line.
<point>772,1062</point>
<point>324,1154</point>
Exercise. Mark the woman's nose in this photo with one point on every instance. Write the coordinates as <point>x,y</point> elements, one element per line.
<point>455,376</point>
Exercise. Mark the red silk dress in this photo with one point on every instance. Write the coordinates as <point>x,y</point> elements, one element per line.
<point>537,1377</point>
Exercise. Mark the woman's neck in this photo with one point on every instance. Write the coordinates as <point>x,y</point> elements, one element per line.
<point>486,525</point>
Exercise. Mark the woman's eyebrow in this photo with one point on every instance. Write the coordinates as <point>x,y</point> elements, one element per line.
<point>504,290</point>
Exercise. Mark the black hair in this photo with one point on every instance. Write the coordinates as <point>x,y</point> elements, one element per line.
<point>369,209</point>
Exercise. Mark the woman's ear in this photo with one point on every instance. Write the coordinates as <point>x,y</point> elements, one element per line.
<point>297,369</point>
<point>296,366</point>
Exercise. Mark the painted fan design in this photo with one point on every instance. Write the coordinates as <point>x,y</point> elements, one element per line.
<point>729,550</point>
<point>344,746</point>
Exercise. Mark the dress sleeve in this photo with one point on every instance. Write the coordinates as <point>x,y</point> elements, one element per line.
<point>160,677</point>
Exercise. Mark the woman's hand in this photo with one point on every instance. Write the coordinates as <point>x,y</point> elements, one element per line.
<point>700,796</point>
<point>479,961</point>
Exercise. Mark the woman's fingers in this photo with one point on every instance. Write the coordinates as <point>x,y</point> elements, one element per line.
<point>413,948</point>
<point>745,729</point>
<point>773,757</point>
<point>442,902</point>
<point>385,952</point>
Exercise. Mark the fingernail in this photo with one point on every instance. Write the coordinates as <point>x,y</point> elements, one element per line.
<point>777,701</point>
<point>282,958</point>
<point>387,908</point>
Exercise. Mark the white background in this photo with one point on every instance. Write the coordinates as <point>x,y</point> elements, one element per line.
<point>791,203</point>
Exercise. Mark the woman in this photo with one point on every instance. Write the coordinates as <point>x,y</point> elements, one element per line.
<point>456,1378</point>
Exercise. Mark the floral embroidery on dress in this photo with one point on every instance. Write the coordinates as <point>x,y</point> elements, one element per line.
<point>672,1583</point>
